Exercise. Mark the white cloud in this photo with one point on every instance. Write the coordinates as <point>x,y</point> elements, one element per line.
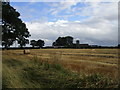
<point>99,9</point>
<point>87,33</point>
<point>104,10</point>
<point>58,7</point>
<point>99,28</point>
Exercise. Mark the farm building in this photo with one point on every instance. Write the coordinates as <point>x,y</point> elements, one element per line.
<point>81,45</point>
<point>78,45</point>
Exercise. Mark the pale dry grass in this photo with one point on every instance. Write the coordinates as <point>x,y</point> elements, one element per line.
<point>86,61</point>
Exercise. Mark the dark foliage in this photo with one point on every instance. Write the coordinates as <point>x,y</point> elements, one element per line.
<point>64,41</point>
<point>40,43</point>
<point>12,27</point>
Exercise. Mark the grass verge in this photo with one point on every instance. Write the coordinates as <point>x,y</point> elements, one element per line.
<point>36,73</point>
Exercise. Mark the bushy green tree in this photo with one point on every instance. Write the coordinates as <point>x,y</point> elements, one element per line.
<point>12,26</point>
<point>33,43</point>
<point>40,43</point>
<point>64,41</point>
<point>23,42</point>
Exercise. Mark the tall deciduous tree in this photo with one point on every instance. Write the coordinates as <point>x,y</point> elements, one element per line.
<point>40,43</point>
<point>33,43</point>
<point>12,27</point>
<point>64,41</point>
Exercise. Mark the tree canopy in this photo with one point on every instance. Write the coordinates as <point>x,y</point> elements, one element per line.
<point>64,41</point>
<point>40,43</point>
<point>13,28</point>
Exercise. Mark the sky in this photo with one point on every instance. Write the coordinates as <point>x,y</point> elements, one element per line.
<point>94,23</point>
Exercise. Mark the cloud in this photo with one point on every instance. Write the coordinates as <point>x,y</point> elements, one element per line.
<point>99,9</point>
<point>101,27</point>
<point>59,6</point>
<point>68,10</point>
<point>86,33</point>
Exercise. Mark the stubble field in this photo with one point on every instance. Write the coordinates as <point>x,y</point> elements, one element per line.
<point>60,68</point>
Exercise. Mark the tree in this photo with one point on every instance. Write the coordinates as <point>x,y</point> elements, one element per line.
<point>12,26</point>
<point>77,44</point>
<point>64,41</point>
<point>23,42</point>
<point>119,45</point>
<point>22,34</point>
<point>77,41</point>
<point>40,43</point>
<point>33,43</point>
<point>54,44</point>
<point>69,41</point>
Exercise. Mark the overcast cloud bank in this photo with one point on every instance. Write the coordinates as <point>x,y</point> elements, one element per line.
<point>101,26</point>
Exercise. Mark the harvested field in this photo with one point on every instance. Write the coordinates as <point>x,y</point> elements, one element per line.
<point>80,61</point>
